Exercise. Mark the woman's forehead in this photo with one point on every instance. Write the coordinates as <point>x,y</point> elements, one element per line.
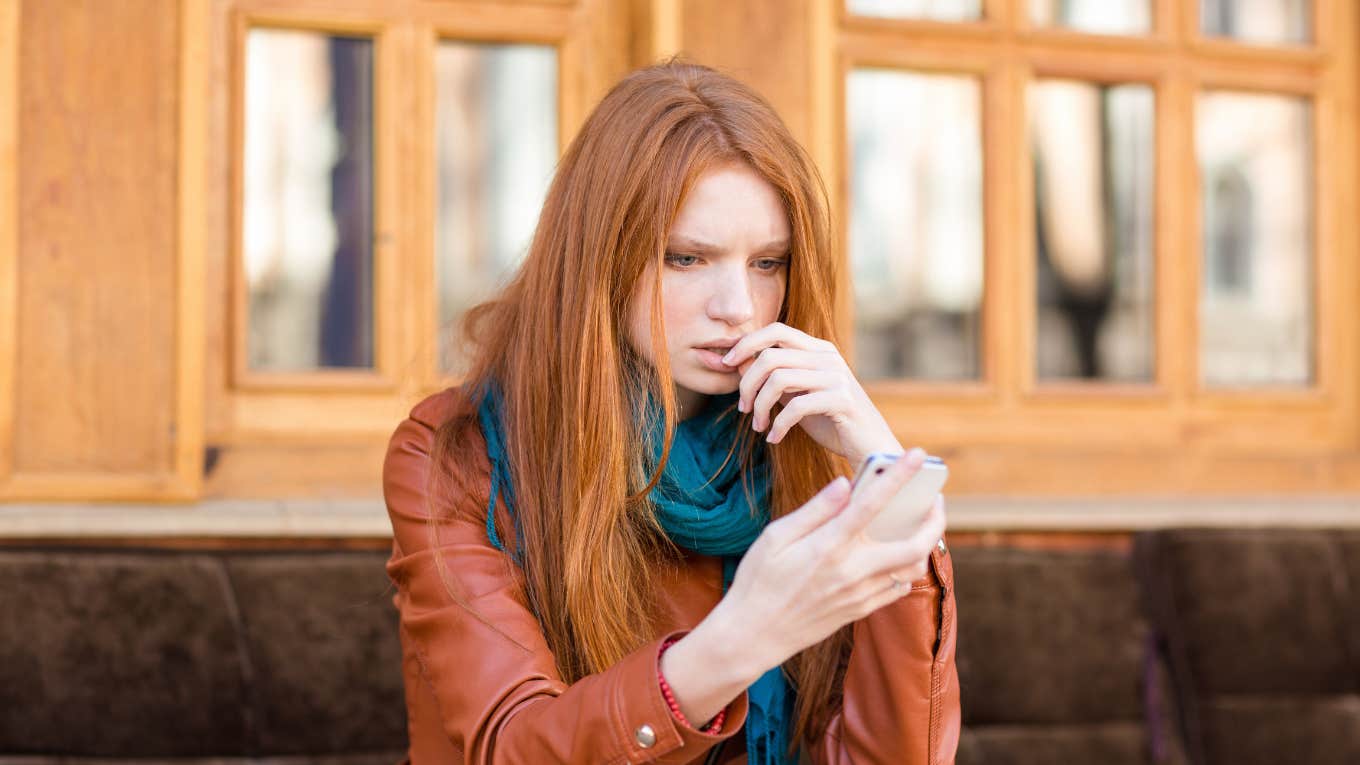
<point>731,208</point>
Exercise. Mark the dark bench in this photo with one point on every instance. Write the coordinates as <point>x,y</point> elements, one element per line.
<point>1262,628</point>
<point>147,655</point>
<point>291,656</point>
<point>1057,663</point>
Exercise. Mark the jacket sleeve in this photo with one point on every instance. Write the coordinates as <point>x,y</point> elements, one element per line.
<point>499,695</point>
<point>901,696</point>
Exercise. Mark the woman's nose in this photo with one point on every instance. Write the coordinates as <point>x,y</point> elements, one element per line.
<point>732,300</point>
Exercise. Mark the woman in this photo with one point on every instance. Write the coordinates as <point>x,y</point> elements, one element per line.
<point>626,537</point>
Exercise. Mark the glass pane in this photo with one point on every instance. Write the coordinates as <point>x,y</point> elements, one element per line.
<point>915,223</point>
<point>934,10</point>
<point>1256,314</point>
<point>307,212</point>
<point>1093,174</point>
<point>1111,17</point>
<point>496,145</point>
<point>1258,21</point>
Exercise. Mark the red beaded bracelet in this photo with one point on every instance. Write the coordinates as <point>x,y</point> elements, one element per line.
<point>714,726</point>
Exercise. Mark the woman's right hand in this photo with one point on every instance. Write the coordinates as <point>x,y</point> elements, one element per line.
<point>815,570</point>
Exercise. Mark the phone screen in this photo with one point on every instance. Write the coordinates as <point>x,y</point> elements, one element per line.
<point>907,509</point>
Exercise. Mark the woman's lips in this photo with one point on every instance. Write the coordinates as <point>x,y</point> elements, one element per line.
<point>713,360</point>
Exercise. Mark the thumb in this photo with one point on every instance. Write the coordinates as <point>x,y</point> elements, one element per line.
<point>822,507</point>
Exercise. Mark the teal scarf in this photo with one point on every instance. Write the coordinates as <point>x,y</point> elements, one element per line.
<point>706,513</point>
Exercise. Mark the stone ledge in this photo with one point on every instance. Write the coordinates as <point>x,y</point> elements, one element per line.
<point>338,518</point>
<point>367,518</point>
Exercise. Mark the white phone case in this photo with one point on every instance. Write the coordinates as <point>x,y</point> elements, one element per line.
<point>905,512</point>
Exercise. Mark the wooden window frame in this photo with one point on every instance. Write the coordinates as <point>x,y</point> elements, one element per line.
<point>382,377</point>
<point>1008,431</point>
<point>321,432</point>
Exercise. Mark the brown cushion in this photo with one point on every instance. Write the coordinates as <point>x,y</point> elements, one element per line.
<point>118,654</point>
<point>1261,629</point>
<point>149,654</point>
<point>1261,610</point>
<point>1048,637</point>
<point>1250,730</point>
<point>325,661</point>
<point>1118,743</point>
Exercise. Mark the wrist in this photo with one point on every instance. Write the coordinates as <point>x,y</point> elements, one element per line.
<point>884,445</point>
<point>726,645</point>
<point>701,677</point>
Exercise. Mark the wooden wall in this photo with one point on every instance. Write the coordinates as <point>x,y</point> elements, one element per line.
<point>100,398</point>
<point>117,156</point>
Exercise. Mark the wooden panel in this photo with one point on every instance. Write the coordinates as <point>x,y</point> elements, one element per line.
<point>101,330</point>
<point>763,43</point>
<point>96,367</point>
<point>9,242</point>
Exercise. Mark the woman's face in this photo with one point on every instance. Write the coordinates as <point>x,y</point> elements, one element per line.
<point>726,269</point>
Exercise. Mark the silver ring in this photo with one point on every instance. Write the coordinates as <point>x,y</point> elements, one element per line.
<point>896,583</point>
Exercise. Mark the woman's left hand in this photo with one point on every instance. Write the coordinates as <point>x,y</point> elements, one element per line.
<point>816,388</point>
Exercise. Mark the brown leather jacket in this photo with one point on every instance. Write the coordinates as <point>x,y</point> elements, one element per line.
<point>474,696</point>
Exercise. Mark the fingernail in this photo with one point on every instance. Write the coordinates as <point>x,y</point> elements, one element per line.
<point>728,359</point>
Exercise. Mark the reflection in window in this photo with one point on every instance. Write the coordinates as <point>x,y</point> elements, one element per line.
<point>496,147</point>
<point>307,211</point>
<point>1257,21</point>
<point>934,10</point>
<point>1111,17</point>
<point>1256,315</point>
<point>915,223</point>
<point>1093,173</point>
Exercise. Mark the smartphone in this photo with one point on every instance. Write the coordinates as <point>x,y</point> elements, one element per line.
<point>905,512</point>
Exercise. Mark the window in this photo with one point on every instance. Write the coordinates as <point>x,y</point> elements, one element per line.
<point>1095,247</point>
<point>1111,226</point>
<point>386,164</point>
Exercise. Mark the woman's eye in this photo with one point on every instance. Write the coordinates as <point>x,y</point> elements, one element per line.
<point>673,258</point>
<point>771,264</point>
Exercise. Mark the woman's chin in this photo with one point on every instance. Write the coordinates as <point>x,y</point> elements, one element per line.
<point>701,380</point>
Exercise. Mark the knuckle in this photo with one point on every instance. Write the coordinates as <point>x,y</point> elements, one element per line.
<point>776,531</point>
<point>843,572</point>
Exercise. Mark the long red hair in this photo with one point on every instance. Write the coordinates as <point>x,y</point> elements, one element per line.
<point>554,340</point>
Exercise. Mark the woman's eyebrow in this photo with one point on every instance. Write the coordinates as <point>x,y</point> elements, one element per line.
<point>708,248</point>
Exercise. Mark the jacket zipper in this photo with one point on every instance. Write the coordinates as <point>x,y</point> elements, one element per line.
<point>936,667</point>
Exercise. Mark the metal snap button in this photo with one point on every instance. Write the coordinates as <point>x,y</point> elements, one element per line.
<point>645,736</point>
<point>940,545</point>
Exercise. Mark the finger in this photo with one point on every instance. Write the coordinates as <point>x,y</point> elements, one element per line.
<point>754,377</point>
<point>768,336</point>
<point>759,368</point>
<point>889,594</point>
<point>826,504</point>
<point>873,497</point>
<point>786,380</point>
<point>879,558</point>
<point>820,402</point>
